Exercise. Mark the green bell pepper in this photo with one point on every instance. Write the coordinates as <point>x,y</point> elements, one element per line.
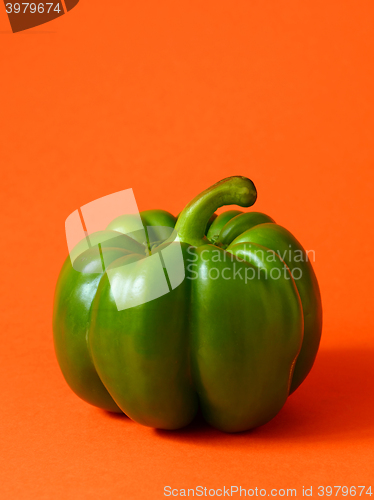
<point>235,338</point>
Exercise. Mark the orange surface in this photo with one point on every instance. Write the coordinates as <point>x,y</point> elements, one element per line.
<point>168,98</point>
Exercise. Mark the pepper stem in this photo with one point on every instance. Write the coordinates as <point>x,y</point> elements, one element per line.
<point>193,219</point>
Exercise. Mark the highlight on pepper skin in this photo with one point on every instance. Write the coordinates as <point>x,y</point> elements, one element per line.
<point>156,316</point>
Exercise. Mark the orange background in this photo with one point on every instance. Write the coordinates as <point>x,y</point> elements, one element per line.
<point>168,98</point>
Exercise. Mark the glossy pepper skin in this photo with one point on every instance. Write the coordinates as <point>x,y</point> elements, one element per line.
<point>236,337</point>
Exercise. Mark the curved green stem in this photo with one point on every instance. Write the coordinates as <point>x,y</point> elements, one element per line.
<point>192,221</point>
